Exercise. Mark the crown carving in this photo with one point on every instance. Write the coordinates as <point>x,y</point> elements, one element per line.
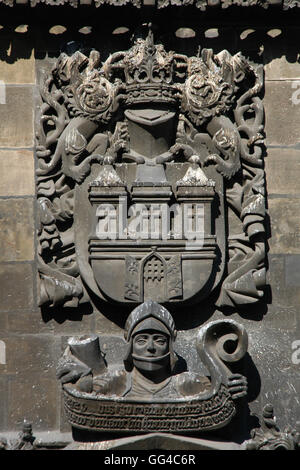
<point>202,87</point>
<point>147,72</point>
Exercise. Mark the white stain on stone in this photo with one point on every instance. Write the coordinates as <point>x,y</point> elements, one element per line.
<point>2,352</point>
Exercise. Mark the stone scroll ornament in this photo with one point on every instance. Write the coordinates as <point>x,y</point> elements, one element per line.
<point>150,178</point>
<point>150,392</point>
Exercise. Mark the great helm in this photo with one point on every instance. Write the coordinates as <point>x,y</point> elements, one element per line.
<point>149,315</point>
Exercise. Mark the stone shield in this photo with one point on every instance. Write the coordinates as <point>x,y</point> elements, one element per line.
<point>128,253</point>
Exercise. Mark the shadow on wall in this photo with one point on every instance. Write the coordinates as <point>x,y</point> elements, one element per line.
<point>49,34</point>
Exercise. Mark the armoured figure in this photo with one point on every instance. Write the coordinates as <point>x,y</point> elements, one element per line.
<point>150,369</point>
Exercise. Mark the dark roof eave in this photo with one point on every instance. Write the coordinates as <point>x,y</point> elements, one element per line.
<point>202,5</point>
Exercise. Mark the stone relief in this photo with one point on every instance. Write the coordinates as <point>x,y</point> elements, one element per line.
<point>25,440</point>
<point>269,436</point>
<point>150,178</point>
<point>151,195</point>
<point>150,392</point>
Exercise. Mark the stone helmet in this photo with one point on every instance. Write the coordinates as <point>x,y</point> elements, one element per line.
<point>149,315</point>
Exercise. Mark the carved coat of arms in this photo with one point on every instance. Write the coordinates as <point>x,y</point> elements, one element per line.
<point>150,178</point>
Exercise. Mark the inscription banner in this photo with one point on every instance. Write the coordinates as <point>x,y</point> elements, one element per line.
<point>181,416</point>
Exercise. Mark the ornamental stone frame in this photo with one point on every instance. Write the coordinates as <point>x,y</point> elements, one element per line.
<point>152,229</point>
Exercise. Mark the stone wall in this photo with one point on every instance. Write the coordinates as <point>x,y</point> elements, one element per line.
<point>30,40</point>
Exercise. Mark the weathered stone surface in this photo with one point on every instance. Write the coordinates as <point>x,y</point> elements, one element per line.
<point>277,314</point>
<point>16,286</point>
<point>19,71</point>
<point>78,321</point>
<point>287,381</point>
<point>285,225</point>
<point>279,377</point>
<point>282,105</point>
<point>284,298</point>
<point>3,323</point>
<point>30,354</point>
<point>3,400</point>
<point>104,326</point>
<point>17,229</point>
<point>157,441</point>
<point>33,398</point>
<point>16,117</point>
<point>27,322</point>
<point>292,266</point>
<point>284,280</point>
<point>280,68</point>
<point>17,173</point>
<point>282,165</point>
<point>268,436</point>
<point>281,55</point>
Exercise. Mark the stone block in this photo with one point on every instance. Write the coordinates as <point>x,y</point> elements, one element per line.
<point>104,326</point>
<point>75,323</point>
<point>27,322</point>
<point>17,229</point>
<point>33,398</point>
<point>283,311</point>
<point>280,68</point>
<point>3,323</point>
<point>292,266</point>
<point>31,354</point>
<point>272,350</point>
<point>282,112</point>
<point>285,225</point>
<point>18,70</point>
<point>3,401</point>
<point>16,286</point>
<point>283,278</point>
<point>278,315</point>
<point>281,55</point>
<point>16,117</point>
<point>276,272</point>
<point>17,173</point>
<point>280,386</point>
<point>282,168</point>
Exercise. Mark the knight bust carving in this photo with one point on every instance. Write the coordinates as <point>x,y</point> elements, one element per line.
<point>150,375</point>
